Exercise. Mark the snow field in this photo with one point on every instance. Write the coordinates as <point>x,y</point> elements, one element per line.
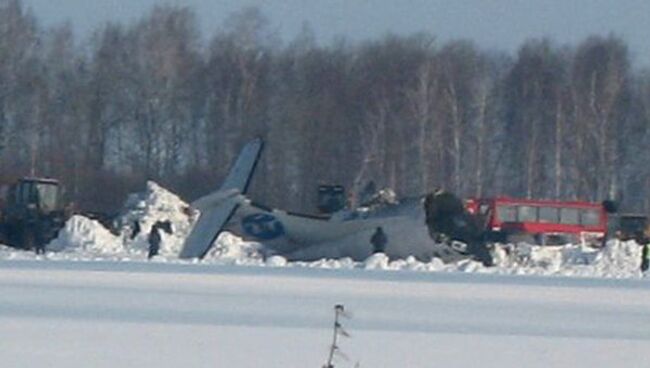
<point>131,314</point>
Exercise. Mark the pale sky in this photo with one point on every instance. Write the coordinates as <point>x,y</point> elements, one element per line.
<point>500,24</point>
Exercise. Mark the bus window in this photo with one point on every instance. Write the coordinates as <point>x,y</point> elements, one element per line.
<point>527,214</point>
<point>590,217</point>
<point>549,215</point>
<point>569,216</point>
<point>506,213</point>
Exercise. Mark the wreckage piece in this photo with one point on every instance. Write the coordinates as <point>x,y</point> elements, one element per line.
<point>448,221</point>
<point>406,224</point>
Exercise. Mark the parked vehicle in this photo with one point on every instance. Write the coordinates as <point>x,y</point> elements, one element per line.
<point>542,222</point>
<point>31,213</point>
<point>629,226</point>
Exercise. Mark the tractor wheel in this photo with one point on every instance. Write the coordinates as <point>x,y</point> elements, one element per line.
<point>29,239</point>
<point>4,235</point>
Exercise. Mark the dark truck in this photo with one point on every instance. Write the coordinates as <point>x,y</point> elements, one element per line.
<point>629,226</point>
<point>32,213</point>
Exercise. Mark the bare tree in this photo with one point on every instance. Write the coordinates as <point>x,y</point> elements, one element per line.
<point>533,89</point>
<point>600,83</point>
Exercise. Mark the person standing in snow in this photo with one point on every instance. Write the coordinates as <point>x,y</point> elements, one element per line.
<point>136,229</point>
<point>39,245</point>
<point>378,241</point>
<point>645,258</point>
<point>154,240</point>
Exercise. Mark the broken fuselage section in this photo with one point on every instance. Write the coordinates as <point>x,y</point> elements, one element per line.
<point>424,227</point>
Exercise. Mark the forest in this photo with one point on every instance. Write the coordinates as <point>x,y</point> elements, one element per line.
<point>157,100</point>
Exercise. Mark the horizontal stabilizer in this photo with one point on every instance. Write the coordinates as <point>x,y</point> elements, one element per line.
<point>206,230</point>
<point>217,207</point>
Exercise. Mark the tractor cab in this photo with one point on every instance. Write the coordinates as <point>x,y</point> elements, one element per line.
<point>32,213</point>
<point>34,195</point>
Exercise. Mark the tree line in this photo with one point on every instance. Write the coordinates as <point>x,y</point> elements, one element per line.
<point>153,100</point>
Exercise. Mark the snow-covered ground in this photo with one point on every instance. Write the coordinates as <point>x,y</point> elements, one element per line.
<point>96,301</point>
<point>137,314</point>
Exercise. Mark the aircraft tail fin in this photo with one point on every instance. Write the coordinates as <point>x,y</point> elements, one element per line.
<point>217,207</point>
<point>241,172</point>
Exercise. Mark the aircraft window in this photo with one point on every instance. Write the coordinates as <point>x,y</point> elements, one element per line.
<point>569,216</point>
<point>506,213</point>
<point>549,215</point>
<point>590,217</point>
<point>527,214</point>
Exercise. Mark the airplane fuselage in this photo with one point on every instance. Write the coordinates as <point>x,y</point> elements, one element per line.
<point>346,233</point>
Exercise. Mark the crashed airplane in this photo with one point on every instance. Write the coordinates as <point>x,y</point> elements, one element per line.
<point>433,225</point>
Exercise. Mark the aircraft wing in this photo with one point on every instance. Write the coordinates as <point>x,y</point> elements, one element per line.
<point>216,208</point>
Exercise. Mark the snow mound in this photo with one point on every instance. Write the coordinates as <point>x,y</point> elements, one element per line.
<point>153,205</point>
<point>82,233</point>
<point>615,260</point>
<point>276,261</point>
<point>619,259</point>
<point>377,261</point>
<point>229,247</point>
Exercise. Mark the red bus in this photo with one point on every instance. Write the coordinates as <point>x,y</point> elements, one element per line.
<point>542,222</point>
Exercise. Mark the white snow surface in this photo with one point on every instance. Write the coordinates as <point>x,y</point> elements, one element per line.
<point>149,314</point>
<point>81,234</point>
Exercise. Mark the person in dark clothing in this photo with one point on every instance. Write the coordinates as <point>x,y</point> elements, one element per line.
<point>39,247</point>
<point>136,229</point>
<point>378,241</point>
<point>34,239</point>
<point>154,241</point>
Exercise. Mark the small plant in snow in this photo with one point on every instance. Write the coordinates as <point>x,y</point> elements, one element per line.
<point>338,330</point>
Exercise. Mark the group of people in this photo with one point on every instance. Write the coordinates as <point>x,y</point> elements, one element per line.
<point>154,238</point>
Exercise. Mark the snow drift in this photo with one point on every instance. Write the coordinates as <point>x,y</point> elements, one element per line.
<point>143,210</point>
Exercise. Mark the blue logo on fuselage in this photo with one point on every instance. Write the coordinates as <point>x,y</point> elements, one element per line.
<point>262,226</point>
